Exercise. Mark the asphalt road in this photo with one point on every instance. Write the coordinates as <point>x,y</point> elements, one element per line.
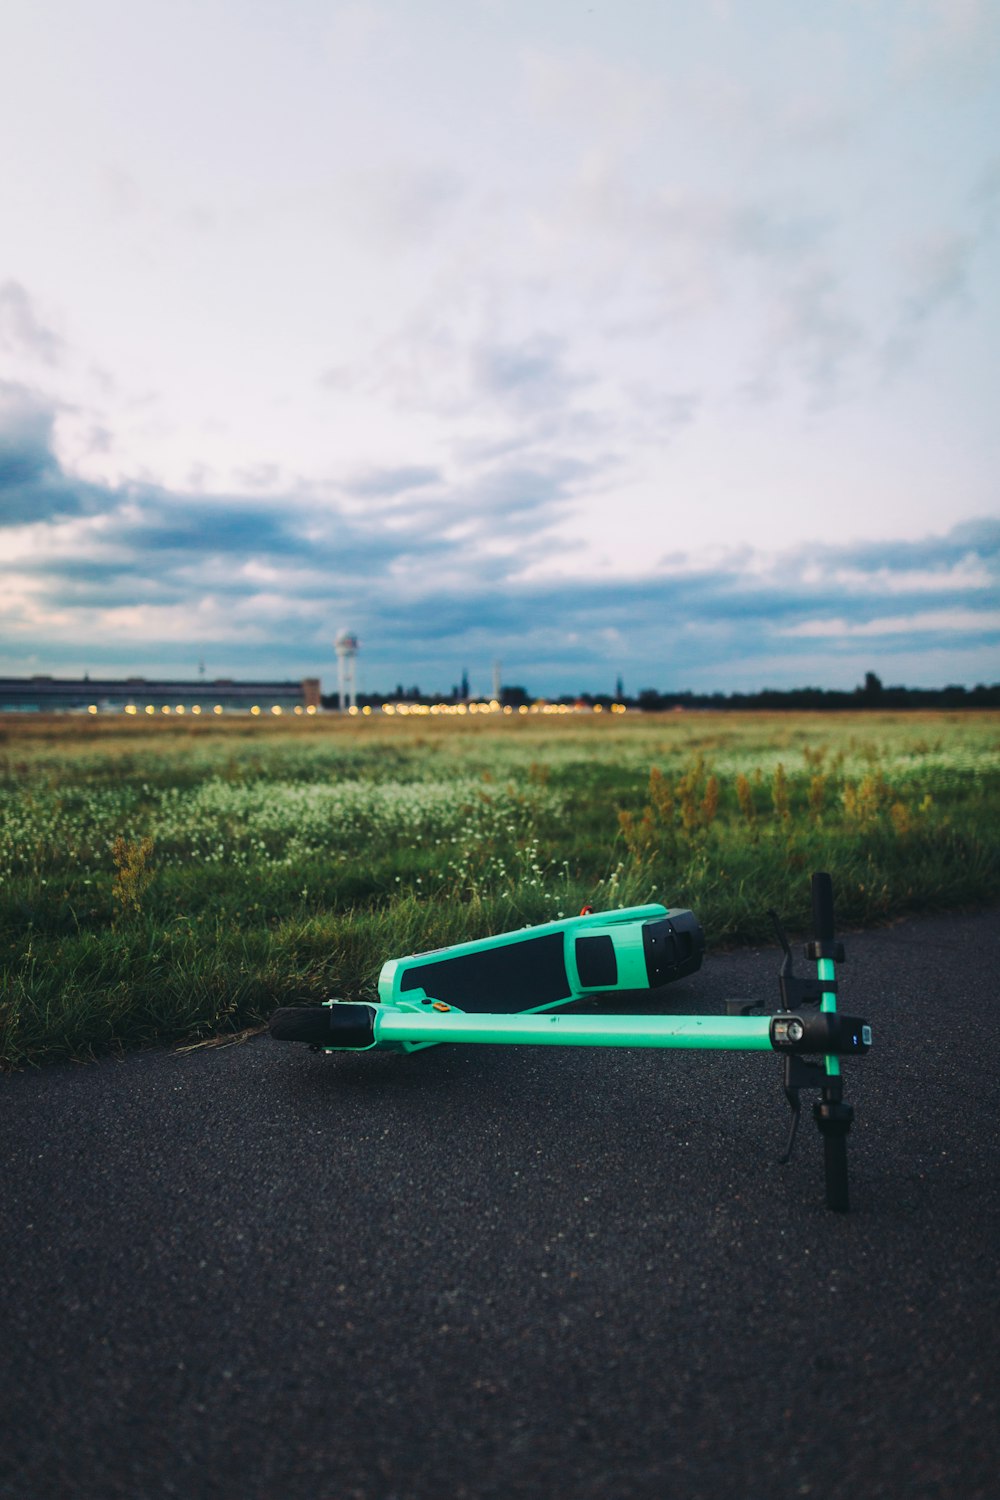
<point>253,1271</point>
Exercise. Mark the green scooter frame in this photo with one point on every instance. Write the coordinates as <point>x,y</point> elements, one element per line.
<point>504,990</point>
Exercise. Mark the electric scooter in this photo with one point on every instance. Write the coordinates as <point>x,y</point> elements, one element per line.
<point>514,987</point>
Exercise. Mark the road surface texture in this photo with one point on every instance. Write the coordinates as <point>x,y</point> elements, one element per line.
<point>255,1271</point>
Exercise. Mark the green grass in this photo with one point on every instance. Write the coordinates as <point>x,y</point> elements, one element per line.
<point>168,881</point>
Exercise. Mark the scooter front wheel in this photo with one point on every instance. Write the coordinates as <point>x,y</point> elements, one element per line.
<point>301,1023</point>
<point>344,1025</point>
<point>835,1162</point>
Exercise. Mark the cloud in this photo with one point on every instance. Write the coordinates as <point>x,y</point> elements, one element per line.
<point>530,375</point>
<point>398,205</point>
<point>686,620</point>
<point>120,193</point>
<point>33,486</point>
<point>811,332</point>
<point>22,331</point>
<point>260,476</point>
<point>986,192</point>
<point>950,42</point>
<point>939,276</point>
<point>940,270</point>
<point>163,527</point>
<point>433,569</point>
<point>393,483</point>
<point>979,538</point>
<point>933,622</point>
<point>395,526</point>
<point>522,387</point>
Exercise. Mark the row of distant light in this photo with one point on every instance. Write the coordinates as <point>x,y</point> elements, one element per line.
<point>180,708</point>
<point>493,707</point>
<point>403,709</point>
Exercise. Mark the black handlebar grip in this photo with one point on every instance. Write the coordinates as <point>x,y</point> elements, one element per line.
<point>822,904</point>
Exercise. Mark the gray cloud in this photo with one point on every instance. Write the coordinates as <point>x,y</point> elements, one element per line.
<point>943,275</point>
<point>150,546</point>
<point>986,193</point>
<point>21,328</point>
<point>532,374</point>
<point>981,538</point>
<point>439,579</point>
<point>389,484</point>
<point>813,332</point>
<point>262,476</point>
<point>167,526</point>
<point>531,383</point>
<point>33,487</point>
<point>942,268</point>
<point>681,629</point>
<point>940,277</point>
<point>774,232</point>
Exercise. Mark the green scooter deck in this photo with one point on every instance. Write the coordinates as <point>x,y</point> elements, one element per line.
<point>542,968</point>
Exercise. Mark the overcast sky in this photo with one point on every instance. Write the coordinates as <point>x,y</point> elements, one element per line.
<point>653,339</point>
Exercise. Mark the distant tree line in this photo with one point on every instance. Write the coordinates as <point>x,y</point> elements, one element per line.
<point>512,697</point>
<point>869,694</point>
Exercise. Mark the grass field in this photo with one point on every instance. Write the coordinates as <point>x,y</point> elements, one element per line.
<point>168,880</point>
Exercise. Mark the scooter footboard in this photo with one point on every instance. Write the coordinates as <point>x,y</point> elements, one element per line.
<point>545,967</point>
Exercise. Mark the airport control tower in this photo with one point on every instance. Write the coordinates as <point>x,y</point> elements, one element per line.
<point>346,647</point>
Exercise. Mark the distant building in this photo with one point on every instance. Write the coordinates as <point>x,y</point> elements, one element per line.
<point>142,695</point>
<point>346,646</point>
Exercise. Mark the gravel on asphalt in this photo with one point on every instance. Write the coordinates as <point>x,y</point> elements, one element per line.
<point>254,1271</point>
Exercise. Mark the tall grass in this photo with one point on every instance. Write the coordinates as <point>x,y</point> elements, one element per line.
<point>170,881</point>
